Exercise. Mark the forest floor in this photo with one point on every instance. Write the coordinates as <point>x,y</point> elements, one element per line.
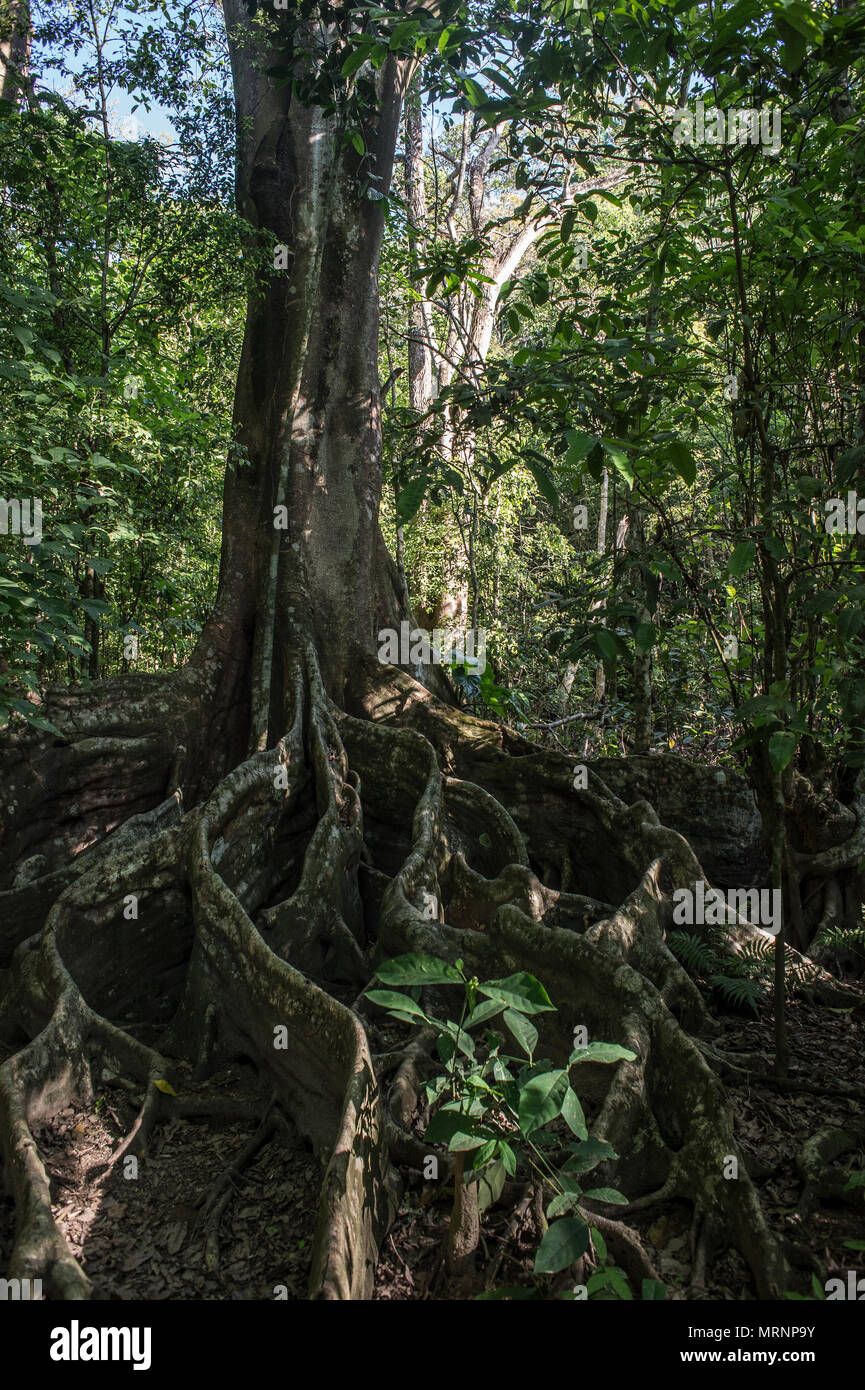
<point>827,1048</point>
<point>144,1236</point>
<point>147,1238</point>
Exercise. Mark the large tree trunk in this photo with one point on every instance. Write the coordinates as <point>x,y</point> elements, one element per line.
<point>228,851</point>
<point>307,411</point>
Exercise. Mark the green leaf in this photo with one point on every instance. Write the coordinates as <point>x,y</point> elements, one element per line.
<point>463,1140</point>
<point>546,486</point>
<point>508,1158</point>
<point>414,968</point>
<point>606,643</point>
<point>401,34</point>
<point>563,1244</point>
<point>794,46</point>
<point>683,461</point>
<point>595,461</point>
<point>541,1100</point>
<point>602,1052</point>
<point>653,1291</point>
<point>612,1278</point>
<point>460,1038</point>
<point>588,1155</point>
<point>491,1184</point>
<point>848,463</point>
<point>606,1194</point>
<point>742,558</point>
<point>808,486</point>
<point>620,460</point>
<point>488,1008</point>
<point>484,1154</point>
<point>782,747</point>
<point>579,446</point>
<point>572,1114</point>
<point>410,498</point>
<point>521,992</point>
<point>355,60</point>
<point>445,1124</point>
<point>849,622</point>
<point>525,1033</point>
<point>564,1201</point>
<point>475,94</point>
<point>823,602</point>
<point>390,999</point>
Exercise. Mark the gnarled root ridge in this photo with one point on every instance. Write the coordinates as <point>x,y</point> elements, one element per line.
<point>170,920</point>
<point>244,928</point>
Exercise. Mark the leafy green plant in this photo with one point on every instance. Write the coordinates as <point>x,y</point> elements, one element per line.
<point>740,979</point>
<point>478,685</point>
<point>837,938</point>
<point>494,1107</point>
<point>819,1293</point>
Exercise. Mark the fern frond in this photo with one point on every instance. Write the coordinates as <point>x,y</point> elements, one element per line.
<point>759,950</point>
<point>842,938</point>
<point>741,991</point>
<point>692,951</point>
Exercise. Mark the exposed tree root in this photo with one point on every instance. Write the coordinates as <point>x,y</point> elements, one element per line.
<point>627,1249</point>
<point>824,1178</point>
<point>233,929</point>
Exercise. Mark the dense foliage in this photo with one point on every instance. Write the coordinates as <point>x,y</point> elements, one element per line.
<point>629,480</point>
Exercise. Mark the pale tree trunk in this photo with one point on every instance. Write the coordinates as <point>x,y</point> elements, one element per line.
<point>15,35</point>
<point>606,672</point>
<point>420,360</point>
<point>570,674</point>
<point>600,674</point>
<point>570,669</point>
<point>471,319</point>
<point>642,670</point>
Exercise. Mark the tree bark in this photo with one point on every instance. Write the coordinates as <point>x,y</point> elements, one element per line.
<point>15,36</point>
